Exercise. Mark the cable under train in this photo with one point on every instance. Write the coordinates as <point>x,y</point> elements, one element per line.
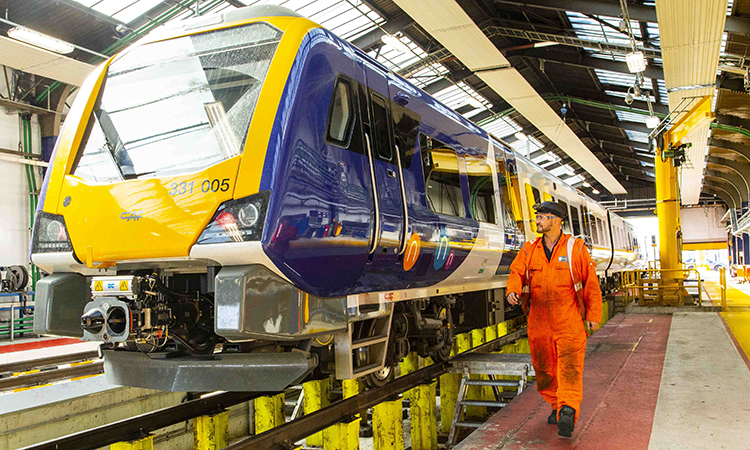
<point>245,200</point>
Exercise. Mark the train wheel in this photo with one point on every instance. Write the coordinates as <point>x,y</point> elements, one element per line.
<point>382,376</point>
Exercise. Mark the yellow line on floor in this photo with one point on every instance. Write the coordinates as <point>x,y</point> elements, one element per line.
<point>737,315</point>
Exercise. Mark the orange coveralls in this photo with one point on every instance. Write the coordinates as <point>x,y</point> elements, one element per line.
<point>557,335</point>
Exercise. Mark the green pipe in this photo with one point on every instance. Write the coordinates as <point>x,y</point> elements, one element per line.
<point>739,130</point>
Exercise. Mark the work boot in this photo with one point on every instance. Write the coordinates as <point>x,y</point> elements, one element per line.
<point>566,422</point>
<point>552,419</point>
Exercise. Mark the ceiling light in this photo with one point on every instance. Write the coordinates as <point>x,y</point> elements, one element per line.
<point>585,184</point>
<point>544,44</point>
<point>652,122</point>
<point>474,102</point>
<point>394,43</point>
<point>40,40</point>
<point>636,62</point>
<point>520,136</point>
<point>595,191</point>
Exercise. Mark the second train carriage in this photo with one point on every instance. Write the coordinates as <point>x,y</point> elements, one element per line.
<point>247,198</point>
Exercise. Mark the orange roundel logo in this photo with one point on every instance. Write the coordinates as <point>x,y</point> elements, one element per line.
<point>412,251</point>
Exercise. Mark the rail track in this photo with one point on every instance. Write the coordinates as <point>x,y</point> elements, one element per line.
<point>47,370</point>
<point>281,437</point>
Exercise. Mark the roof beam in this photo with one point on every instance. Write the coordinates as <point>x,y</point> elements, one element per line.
<point>557,56</point>
<point>641,13</point>
<point>742,149</point>
<point>372,37</point>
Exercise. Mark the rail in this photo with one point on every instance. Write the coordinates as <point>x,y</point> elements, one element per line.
<point>46,363</point>
<point>48,376</point>
<point>648,286</point>
<point>275,438</point>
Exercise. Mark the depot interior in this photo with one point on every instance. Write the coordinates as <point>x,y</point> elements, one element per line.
<point>617,74</point>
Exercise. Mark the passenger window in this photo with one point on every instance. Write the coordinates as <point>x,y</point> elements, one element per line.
<point>594,228</point>
<point>342,113</point>
<point>575,221</point>
<point>585,219</point>
<point>442,180</point>
<point>481,190</point>
<point>532,198</point>
<point>405,126</point>
<point>380,129</point>
<point>566,221</point>
<point>603,240</point>
<point>511,197</point>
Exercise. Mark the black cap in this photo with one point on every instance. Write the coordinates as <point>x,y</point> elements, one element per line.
<point>553,208</point>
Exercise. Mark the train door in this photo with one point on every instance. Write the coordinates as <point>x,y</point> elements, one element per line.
<point>510,204</point>
<point>388,238</point>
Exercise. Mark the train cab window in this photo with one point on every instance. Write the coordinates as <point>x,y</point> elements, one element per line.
<point>575,220</point>
<point>380,129</point>
<point>341,115</point>
<point>566,221</point>
<point>442,180</point>
<point>481,189</point>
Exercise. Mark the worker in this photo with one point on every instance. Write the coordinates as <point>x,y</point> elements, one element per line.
<point>557,311</point>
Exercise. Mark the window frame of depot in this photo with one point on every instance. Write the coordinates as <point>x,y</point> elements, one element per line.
<point>426,148</point>
<point>474,165</point>
<point>342,80</point>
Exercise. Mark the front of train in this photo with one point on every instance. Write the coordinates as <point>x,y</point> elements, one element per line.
<point>152,212</point>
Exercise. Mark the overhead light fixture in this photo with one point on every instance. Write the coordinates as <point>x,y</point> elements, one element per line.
<point>520,136</point>
<point>474,102</point>
<point>544,44</point>
<point>595,191</point>
<point>586,184</point>
<point>40,40</point>
<point>636,62</point>
<point>652,122</point>
<point>394,43</point>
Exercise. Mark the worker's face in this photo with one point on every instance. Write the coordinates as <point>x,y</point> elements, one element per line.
<point>546,222</point>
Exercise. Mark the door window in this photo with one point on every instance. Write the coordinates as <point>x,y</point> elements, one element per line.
<point>442,180</point>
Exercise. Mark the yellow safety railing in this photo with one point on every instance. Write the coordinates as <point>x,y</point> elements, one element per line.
<point>648,288</point>
<point>723,287</point>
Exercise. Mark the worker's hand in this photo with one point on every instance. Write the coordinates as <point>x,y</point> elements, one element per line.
<point>512,298</point>
<point>591,325</point>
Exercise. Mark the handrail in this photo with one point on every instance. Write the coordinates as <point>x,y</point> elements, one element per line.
<point>635,284</point>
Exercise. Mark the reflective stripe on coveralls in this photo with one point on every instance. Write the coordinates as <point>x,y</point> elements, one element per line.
<point>557,335</point>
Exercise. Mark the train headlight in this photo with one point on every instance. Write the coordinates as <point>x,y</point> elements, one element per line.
<point>50,234</point>
<point>237,220</point>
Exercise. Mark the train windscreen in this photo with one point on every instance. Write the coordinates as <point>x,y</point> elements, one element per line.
<point>178,105</point>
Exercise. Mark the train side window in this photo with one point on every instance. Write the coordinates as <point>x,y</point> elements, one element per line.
<point>575,220</point>
<point>405,127</point>
<point>566,221</point>
<point>601,229</point>
<point>380,129</point>
<point>585,220</point>
<point>532,198</point>
<point>481,189</point>
<point>594,228</point>
<point>442,180</point>
<point>511,195</point>
<point>341,115</point>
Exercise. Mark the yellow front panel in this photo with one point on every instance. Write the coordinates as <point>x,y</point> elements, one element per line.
<point>149,218</point>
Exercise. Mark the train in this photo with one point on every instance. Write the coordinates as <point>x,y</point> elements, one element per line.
<point>244,201</point>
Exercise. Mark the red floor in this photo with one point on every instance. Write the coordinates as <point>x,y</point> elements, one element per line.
<point>621,380</point>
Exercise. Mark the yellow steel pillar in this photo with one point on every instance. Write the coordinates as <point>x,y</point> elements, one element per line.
<point>345,435</point>
<point>478,392</point>
<point>211,432</point>
<point>449,384</point>
<point>388,426</point>
<point>316,396</point>
<point>668,201</point>
<point>424,417</point>
<point>269,412</point>
<point>408,365</point>
<point>147,443</point>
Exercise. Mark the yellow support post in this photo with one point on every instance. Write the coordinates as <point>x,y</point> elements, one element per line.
<point>316,396</point>
<point>408,365</point>
<point>147,443</point>
<point>449,384</point>
<point>388,426</point>
<point>668,203</point>
<point>490,333</point>
<point>424,417</point>
<point>503,328</point>
<point>345,435</point>
<point>269,412</point>
<point>211,432</point>
<point>478,392</point>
